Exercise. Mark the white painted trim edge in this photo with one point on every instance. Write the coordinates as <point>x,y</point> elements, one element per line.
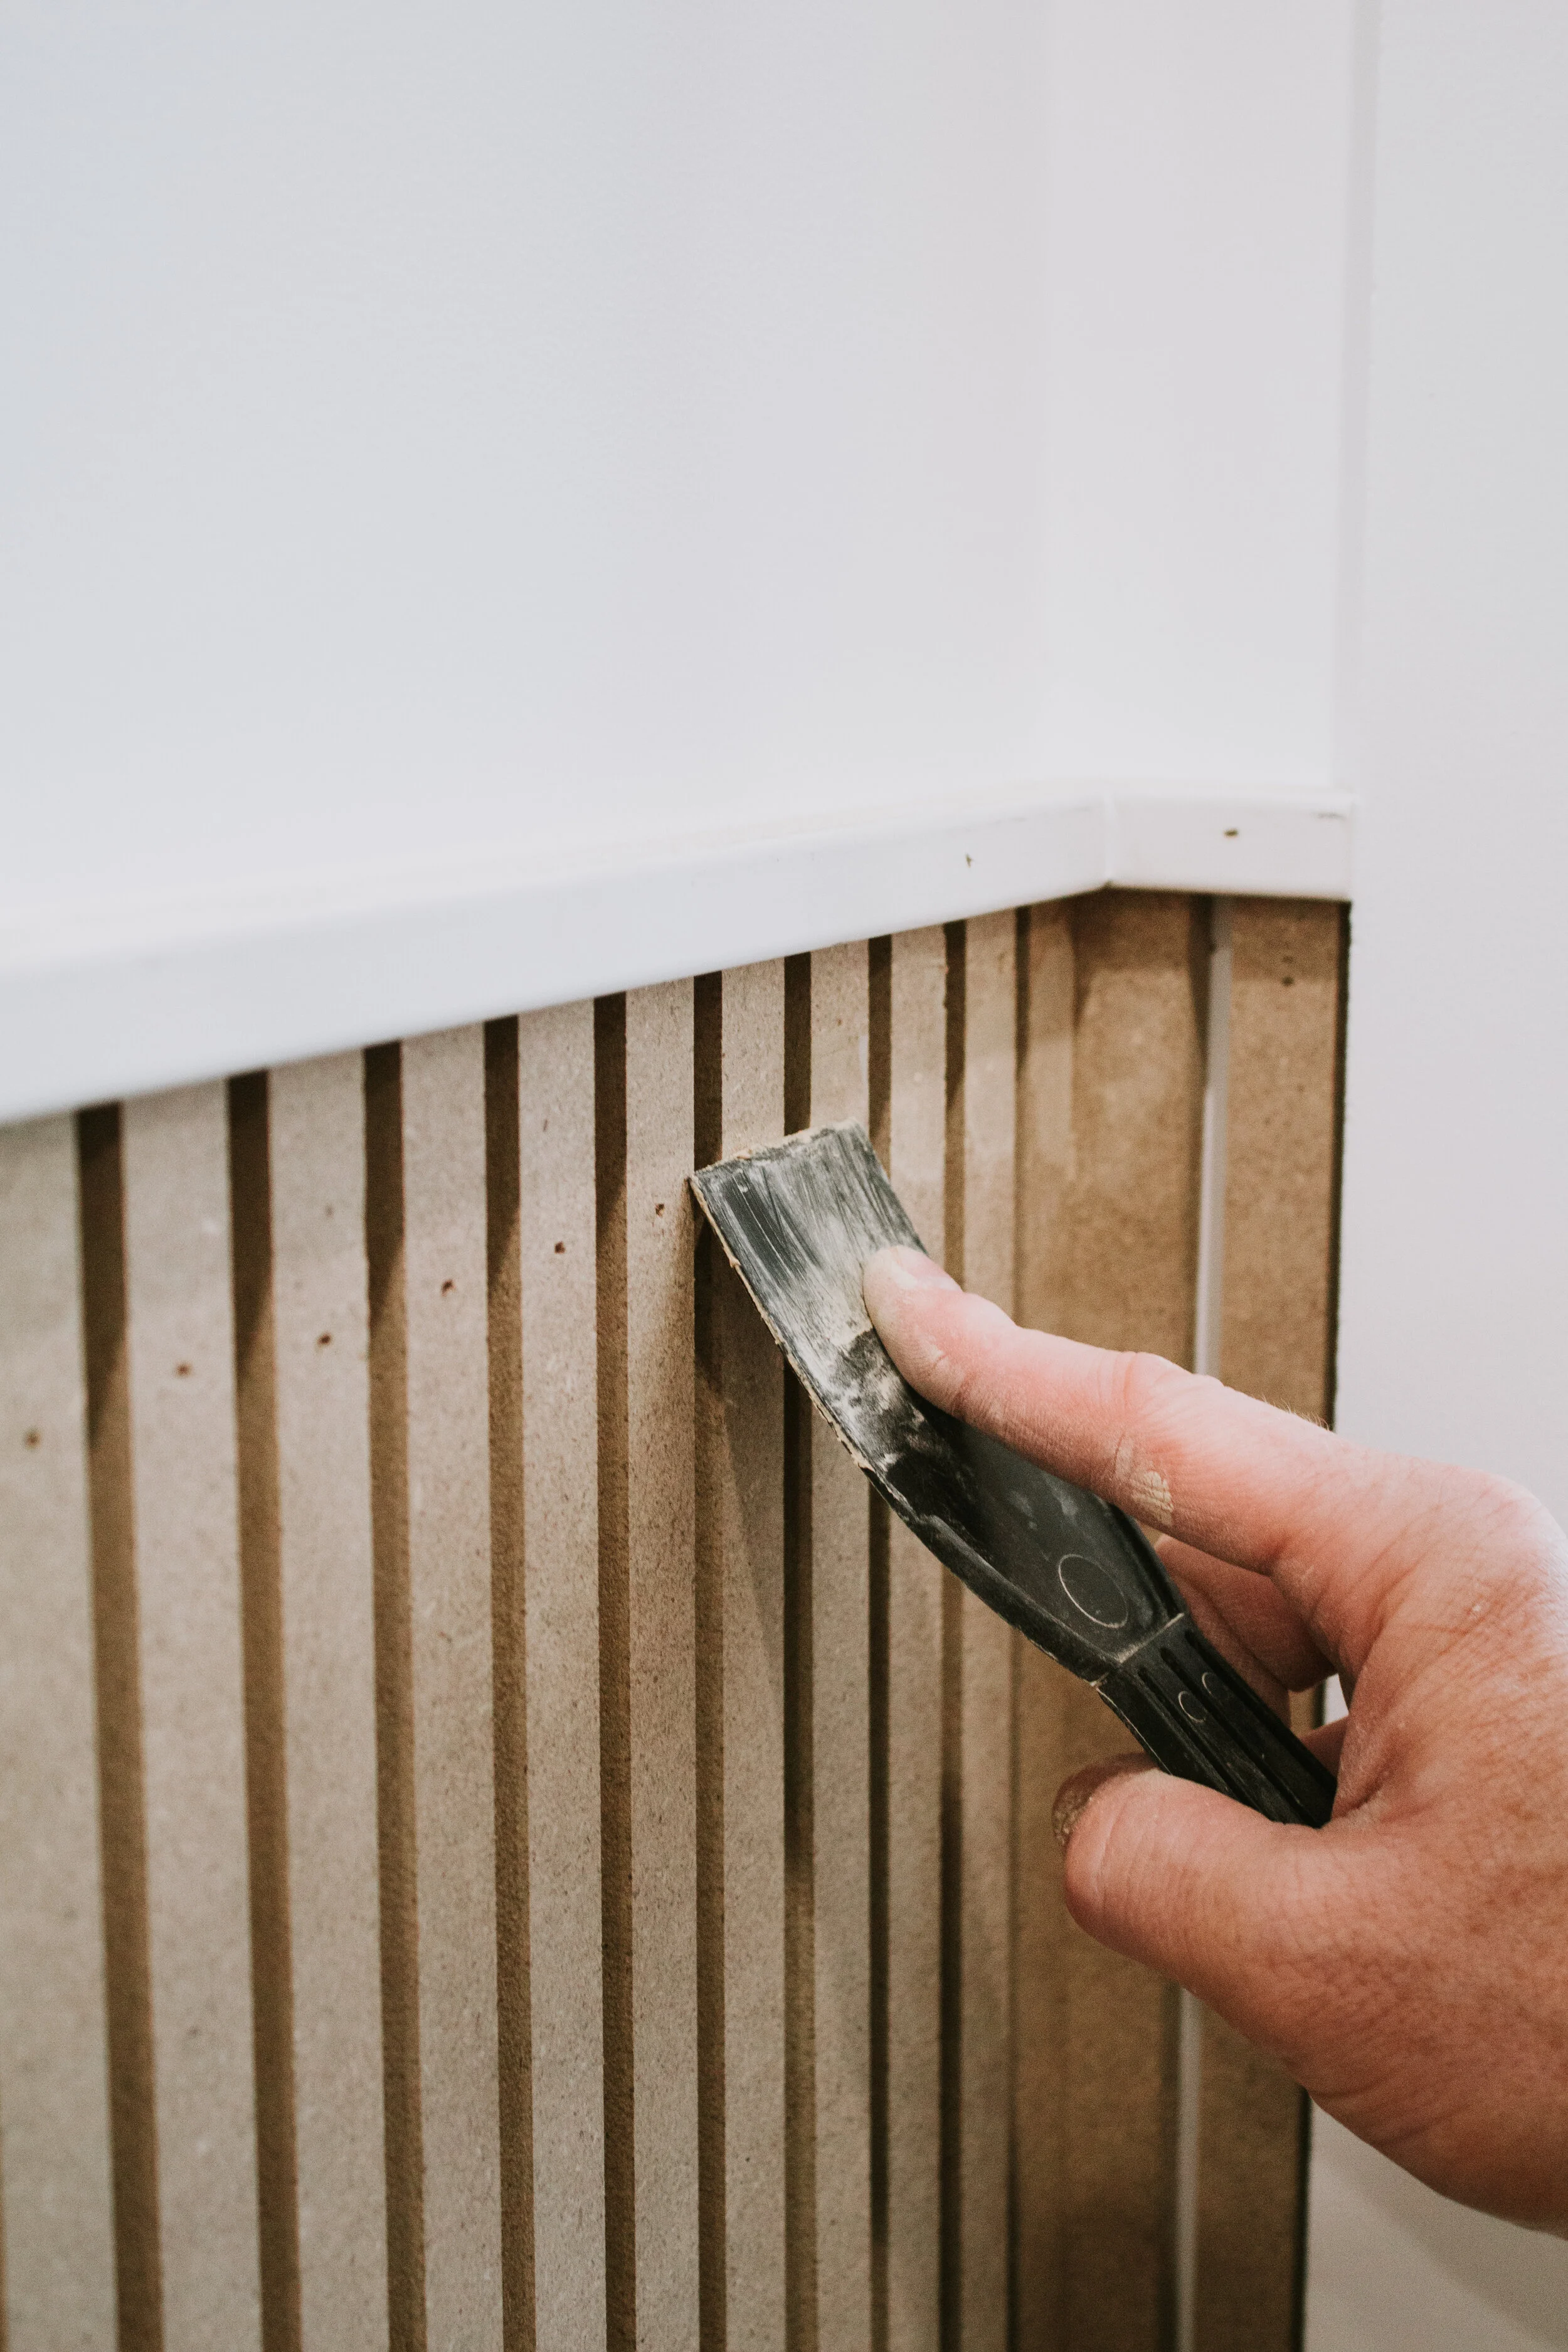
<point>120,1001</point>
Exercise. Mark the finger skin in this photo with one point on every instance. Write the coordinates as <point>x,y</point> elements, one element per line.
<point>1409,1962</point>
<point>1336,1951</point>
<point>1340,1529</point>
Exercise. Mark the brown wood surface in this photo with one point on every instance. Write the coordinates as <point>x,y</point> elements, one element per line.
<point>180,1349</point>
<point>57,2215</point>
<point>980,1681</point>
<point>741,1638</point>
<point>1045,1020</point>
<point>450,1693</point>
<point>911,2056</point>
<point>662,1762</point>
<point>1116,1266</point>
<point>839,1854</point>
<point>561,1575</point>
<point>327,1697</point>
<point>1277,1342</point>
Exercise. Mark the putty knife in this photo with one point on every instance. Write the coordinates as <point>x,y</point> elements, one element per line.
<point>798,1220</point>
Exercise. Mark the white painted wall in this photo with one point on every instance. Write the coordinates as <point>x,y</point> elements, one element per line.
<point>440,437</point>
<point>1455,1297</point>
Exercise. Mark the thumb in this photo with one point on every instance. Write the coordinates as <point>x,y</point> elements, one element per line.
<point>1201,1889</point>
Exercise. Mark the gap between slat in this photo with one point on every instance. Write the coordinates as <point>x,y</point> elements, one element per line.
<point>267,1821</point>
<point>122,1799</point>
<point>393,1697</point>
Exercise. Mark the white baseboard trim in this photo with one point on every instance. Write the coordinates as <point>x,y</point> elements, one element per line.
<point>100,1003</point>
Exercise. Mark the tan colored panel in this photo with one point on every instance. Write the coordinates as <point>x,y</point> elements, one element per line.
<point>840,1752</point>
<point>1280,1148</point>
<point>662,1699</point>
<point>1275,1343</point>
<point>56,2200</point>
<point>1126,1277</point>
<point>321,1321</point>
<point>180,1335</point>
<point>751,1526</point>
<point>451,1688</point>
<point>916,1151</point>
<point>1039,1988</point>
<point>985,1671</point>
<point>557,1271</point>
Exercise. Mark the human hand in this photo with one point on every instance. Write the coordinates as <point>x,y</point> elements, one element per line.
<point>1409,1962</point>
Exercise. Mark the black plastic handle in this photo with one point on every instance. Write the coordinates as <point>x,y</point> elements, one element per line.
<point>1200,1720</point>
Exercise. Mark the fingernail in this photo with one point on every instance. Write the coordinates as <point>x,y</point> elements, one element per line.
<point>1074,1794</point>
<point>908,1269</point>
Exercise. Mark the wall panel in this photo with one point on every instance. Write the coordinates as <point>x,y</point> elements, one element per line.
<point>180,1350</point>
<point>1126,1245</point>
<point>57,2220</point>
<point>572,1873</point>
<point>839,1762</point>
<point>980,1669</point>
<point>450,1686</point>
<point>320,1290</point>
<point>1276,1341</point>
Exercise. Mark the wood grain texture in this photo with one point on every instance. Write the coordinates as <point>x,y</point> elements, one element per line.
<point>748,1496</point>
<point>917,1139</point>
<point>661,1695</point>
<point>1277,1342</point>
<point>56,2190</point>
<point>984,1682</point>
<point>321,1320</point>
<point>180,1344</point>
<point>1046,1026</point>
<point>1125,1279</point>
<point>841,1749</point>
<point>450,1684</point>
<point>557,1270</point>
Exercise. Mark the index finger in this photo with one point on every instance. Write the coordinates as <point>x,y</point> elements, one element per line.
<point>1338,1528</point>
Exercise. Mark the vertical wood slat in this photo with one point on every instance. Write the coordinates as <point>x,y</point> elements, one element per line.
<point>1124,1277</point>
<point>1047,1013</point>
<point>180,1339</point>
<point>316,1136</point>
<point>660,1630</point>
<point>840,1752</point>
<point>985,1679</point>
<point>56,2196</point>
<point>1277,1342</point>
<point>557,1280</point>
<point>450,1682</point>
<point>912,2057</point>
<point>746,1495</point>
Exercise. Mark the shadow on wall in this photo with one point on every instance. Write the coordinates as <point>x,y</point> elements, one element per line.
<point>1463,2283</point>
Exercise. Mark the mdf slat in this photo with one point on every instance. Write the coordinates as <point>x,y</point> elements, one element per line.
<point>326,1578</point>
<point>1127,1270</point>
<point>984,1678</point>
<point>916,1124</point>
<point>180,1340</point>
<point>661,1681</point>
<point>1047,1013</point>
<point>56,2196</point>
<point>841,1751</point>
<point>1276,1342</point>
<point>741,1708</point>
<point>450,1691</point>
<point>752,1112</point>
<point>561,1582</point>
